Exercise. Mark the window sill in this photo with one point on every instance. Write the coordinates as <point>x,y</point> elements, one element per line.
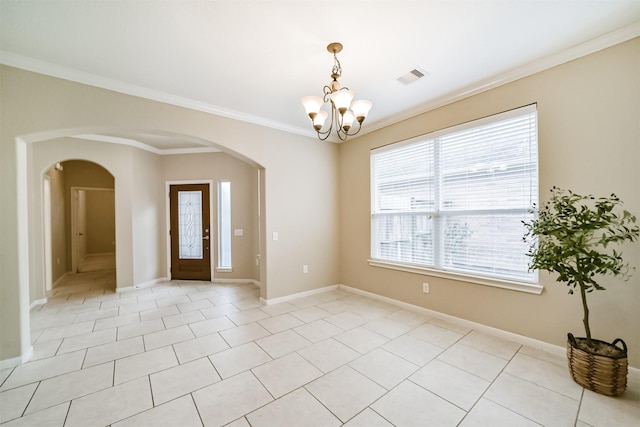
<point>224,270</point>
<point>531,288</point>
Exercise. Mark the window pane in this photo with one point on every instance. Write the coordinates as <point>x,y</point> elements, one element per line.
<point>224,224</point>
<point>190,224</point>
<point>403,179</point>
<point>404,238</point>
<point>487,244</point>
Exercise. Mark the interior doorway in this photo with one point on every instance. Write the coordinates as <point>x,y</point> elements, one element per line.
<point>190,225</point>
<point>92,229</point>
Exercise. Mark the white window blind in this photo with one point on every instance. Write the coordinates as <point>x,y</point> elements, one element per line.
<point>455,200</point>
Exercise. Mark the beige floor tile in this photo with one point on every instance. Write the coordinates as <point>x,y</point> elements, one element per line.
<point>387,327</point>
<point>183,379</point>
<point>488,414</point>
<point>230,399</point>
<point>279,309</point>
<point>414,350</point>
<point>113,351</point>
<point>249,303</point>
<point>114,322</point>
<point>411,405</point>
<point>545,374</point>
<point>13,402</point>
<point>410,318</point>
<point>93,339</point>
<point>368,418</point>
<point>345,392</point>
<point>286,374</point>
<point>138,307</point>
<point>282,343</point>
<point>139,329</point>
<point>97,315</point>
<point>310,314</point>
<point>196,305</point>
<point>123,300</point>
<point>111,405</point>
<point>180,412</point>
<point>318,330</point>
<point>211,326</point>
<point>450,383</point>
<point>329,354</point>
<point>158,313</point>
<point>247,316</point>
<point>601,411</point>
<point>44,350</point>
<point>491,344</point>
<point>298,408</point>
<point>436,335</point>
<point>239,359</point>
<point>170,336</point>
<point>42,369</point>
<point>219,310</point>
<point>140,365</point>
<point>176,320</point>
<point>532,401</point>
<point>66,331</point>
<point>361,339</point>
<point>280,323</point>
<point>474,361</point>
<point>51,417</point>
<point>244,334</point>
<point>70,386</point>
<point>346,320</point>
<point>199,347</point>
<point>386,369</point>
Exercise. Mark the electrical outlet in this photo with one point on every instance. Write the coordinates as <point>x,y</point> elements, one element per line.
<point>305,269</point>
<point>425,288</point>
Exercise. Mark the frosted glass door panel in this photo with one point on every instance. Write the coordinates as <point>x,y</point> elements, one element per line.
<point>190,224</point>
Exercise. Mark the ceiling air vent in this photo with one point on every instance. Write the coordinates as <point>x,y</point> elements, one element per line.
<point>412,76</point>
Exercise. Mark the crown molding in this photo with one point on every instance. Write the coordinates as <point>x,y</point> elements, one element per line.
<point>42,67</point>
<point>142,145</point>
<point>594,45</point>
<point>607,40</point>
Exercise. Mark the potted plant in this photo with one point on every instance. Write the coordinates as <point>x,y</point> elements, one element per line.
<point>576,237</point>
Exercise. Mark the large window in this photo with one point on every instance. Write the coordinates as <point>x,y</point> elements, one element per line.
<point>454,200</point>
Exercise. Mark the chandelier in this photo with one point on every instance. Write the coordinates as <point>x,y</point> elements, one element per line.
<point>343,111</point>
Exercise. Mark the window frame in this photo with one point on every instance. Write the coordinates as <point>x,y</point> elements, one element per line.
<point>529,286</point>
<point>225,241</point>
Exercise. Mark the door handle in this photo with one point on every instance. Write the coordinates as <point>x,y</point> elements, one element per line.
<point>205,238</point>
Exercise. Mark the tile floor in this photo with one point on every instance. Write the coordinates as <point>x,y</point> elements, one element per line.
<point>193,353</point>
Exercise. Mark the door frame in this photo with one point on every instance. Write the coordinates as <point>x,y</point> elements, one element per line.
<point>212,231</point>
<point>74,215</point>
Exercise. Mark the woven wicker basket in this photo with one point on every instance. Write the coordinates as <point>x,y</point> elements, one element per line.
<point>602,374</point>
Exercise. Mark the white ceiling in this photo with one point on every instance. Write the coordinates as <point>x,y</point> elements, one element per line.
<point>254,59</point>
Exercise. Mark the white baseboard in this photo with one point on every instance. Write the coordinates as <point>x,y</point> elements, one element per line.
<point>141,285</point>
<point>60,279</point>
<point>37,303</point>
<point>286,298</point>
<point>236,281</point>
<point>521,339</point>
<point>16,361</point>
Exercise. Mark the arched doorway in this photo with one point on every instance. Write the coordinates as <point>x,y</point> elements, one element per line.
<point>81,220</point>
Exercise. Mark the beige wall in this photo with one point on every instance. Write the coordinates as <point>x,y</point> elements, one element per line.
<point>589,141</point>
<point>101,222</point>
<point>40,111</point>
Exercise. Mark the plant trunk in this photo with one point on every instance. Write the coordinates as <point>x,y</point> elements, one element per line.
<point>583,294</point>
